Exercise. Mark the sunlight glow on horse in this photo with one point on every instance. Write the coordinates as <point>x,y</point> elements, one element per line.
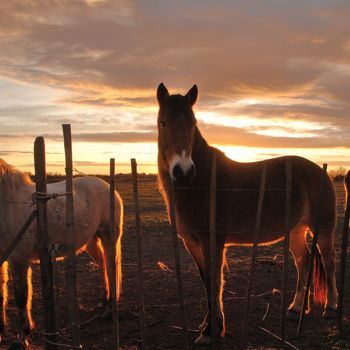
<point>236,202</point>
<point>91,232</point>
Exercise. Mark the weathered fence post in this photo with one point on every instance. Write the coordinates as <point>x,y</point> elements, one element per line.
<point>139,251</point>
<point>313,250</point>
<point>71,264</point>
<point>176,250</point>
<point>115,324</point>
<point>286,249</point>
<point>43,239</point>
<point>344,249</point>
<point>255,247</point>
<point>56,285</point>
<point>213,257</point>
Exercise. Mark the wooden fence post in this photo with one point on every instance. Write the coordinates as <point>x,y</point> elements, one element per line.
<point>213,257</point>
<point>71,263</point>
<point>176,251</point>
<point>43,239</point>
<point>255,247</point>
<point>115,325</point>
<point>139,251</point>
<point>343,256</point>
<point>286,248</point>
<point>56,285</point>
<point>313,250</point>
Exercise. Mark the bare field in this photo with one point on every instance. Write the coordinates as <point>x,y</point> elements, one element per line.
<point>162,313</point>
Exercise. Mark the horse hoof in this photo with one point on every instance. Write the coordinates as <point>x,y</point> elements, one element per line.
<point>329,313</point>
<point>293,315</point>
<point>203,340</point>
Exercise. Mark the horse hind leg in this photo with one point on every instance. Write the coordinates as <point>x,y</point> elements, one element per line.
<point>22,280</point>
<point>206,335</point>
<point>301,254</point>
<point>96,251</point>
<point>113,262</point>
<point>195,251</point>
<point>325,245</point>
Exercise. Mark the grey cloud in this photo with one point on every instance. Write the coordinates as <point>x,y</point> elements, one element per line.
<point>231,49</point>
<point>110,137</point>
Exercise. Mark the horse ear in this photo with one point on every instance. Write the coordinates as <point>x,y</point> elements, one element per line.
<point>192,95</point>
<point>162,93</point>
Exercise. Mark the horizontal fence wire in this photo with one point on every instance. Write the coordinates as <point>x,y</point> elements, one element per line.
<point>16,202</point>
<point>271,189</point>
<point>171,270</point>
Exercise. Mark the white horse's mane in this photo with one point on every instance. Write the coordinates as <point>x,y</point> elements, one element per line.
<point>11,178</point>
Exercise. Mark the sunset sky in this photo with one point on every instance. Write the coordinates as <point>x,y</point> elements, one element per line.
<point>273,78</point>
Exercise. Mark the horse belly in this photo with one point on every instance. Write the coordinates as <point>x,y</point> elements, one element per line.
<point>247,238</point>
<point>240,220</point>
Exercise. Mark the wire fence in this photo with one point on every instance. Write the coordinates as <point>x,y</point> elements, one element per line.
<point>161,268</point>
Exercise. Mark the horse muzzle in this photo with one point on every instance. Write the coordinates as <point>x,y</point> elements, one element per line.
<point>181,176</point>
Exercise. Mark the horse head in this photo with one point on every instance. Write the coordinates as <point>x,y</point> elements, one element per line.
<point>176,127</point>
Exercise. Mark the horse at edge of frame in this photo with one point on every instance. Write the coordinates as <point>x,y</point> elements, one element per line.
<point>91,231</point>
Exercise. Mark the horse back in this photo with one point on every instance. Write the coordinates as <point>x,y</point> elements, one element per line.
<point>91,209</point>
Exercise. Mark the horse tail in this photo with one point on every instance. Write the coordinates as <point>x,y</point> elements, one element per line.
<point>118,250</point>
<point>347,185</point>
<point>119,275</point>
<point>320,287</point>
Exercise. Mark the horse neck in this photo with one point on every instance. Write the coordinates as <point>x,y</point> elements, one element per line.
<point>201,156</point>
<point>16,189</point>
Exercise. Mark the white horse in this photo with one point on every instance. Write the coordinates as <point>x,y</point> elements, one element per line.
<point>91,233</point>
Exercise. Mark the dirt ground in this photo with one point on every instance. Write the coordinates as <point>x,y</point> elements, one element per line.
<point>162,313</point>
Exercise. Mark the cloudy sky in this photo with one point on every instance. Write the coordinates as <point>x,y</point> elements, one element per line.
<point>273,77</point>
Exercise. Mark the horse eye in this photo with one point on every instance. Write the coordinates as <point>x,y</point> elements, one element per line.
<point>162,123</point>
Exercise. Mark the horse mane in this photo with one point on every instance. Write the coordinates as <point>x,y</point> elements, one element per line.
<point>11,178</point>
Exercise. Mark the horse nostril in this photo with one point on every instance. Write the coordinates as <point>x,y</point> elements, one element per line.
<point>177,172</point>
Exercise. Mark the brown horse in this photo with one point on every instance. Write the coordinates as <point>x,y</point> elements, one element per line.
<point>184,160</point>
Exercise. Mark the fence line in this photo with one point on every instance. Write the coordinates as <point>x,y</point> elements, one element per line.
<point>73,311</point>
<point>286,248</point>
<point>45,260</point>
<point>176,252</point>
<point>282,189</point>
<point>112,257</point>
<point>51,342</point>
<point>139,252</point>
<point>213,257</point>
<point>255,245</point>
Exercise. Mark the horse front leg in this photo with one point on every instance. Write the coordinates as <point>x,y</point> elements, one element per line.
<point>97,254</point>
<point>195,250</point>
<point>3,296</point>
<point>301,255</point>
<point>22,281</point>
<point>206,336</point>
<point>110,269</point>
